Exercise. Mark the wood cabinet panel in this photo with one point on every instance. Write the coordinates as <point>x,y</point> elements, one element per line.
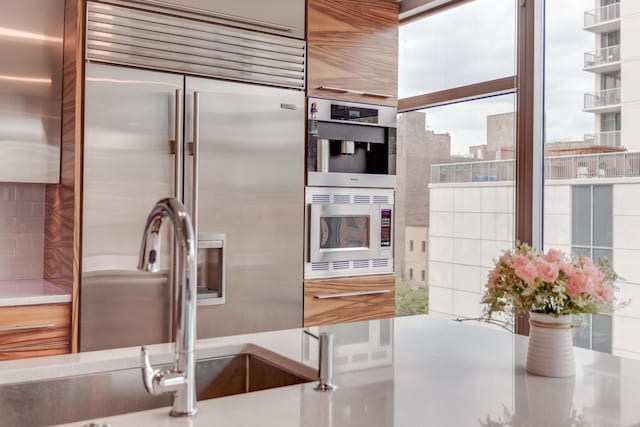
<point>353,44</point>
<point>34,330</point>
<point>349,299</point>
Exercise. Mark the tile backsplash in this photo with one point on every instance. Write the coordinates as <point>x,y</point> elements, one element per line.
<point>21,231</point>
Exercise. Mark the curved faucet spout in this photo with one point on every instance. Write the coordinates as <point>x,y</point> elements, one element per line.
<point>181,379</point>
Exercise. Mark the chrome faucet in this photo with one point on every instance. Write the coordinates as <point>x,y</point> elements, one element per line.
<point>325,360</point>
<point>180,379</point>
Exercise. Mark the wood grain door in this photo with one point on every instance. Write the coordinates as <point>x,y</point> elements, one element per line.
<point>353,50</point>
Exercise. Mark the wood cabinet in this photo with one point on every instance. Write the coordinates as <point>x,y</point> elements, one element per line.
<point>348,299</point>
<point>352,50</point>
<point>34,330</point>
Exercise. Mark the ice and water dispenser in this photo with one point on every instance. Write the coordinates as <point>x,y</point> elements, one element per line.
<point>211,269</point>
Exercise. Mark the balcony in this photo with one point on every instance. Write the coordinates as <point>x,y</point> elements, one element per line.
<point>602,60</point>
<point>603,19</point>
<point>607,139</point>
<point>608,165</point>
<point>602,101</point>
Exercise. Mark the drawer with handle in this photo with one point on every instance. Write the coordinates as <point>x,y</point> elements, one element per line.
<point>34,330</point>
<point>348,299</point>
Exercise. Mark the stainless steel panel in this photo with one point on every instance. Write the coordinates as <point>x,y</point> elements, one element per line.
<point>129,123</point>
<point>387,116</point>
<point>30,90</point>
<point>104,394</point>
<point>284,17</point>
<point>145,39</point>
<point>360,180</point>
<point>251,188</point>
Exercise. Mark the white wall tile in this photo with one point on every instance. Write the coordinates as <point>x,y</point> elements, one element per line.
<point>21,231</point>
<point>467,199</point>
<point>626,200</point>
<point>629,292</point>
<point>466,304</point>
<point>625,334</point>
<point>626,231</point>
<point>466,251</point>
<point>490,250</point>
<point>504,199</point>
<point>441,199</point>
<point>467,278</point>
<point>627,265</point>
<point>441,299</point>
<point>557,229</point>
<point>557,199</point>
<point>467,225</point>
<point>441,274</point>
<point>504,227</point>
<point>488,226</point>
<point>488,199</point>
<point>441,249</point>
<point>441,224</point>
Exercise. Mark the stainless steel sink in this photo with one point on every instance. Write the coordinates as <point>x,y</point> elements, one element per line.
<point>103,394</point>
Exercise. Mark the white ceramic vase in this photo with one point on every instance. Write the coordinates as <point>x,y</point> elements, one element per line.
<point>550,346</point>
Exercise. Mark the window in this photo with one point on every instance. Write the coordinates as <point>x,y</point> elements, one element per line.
<point>411,274</point>
<point>424,246</point>
<point>411,245</point>
<point>590,187</point>
<point>422,275</point>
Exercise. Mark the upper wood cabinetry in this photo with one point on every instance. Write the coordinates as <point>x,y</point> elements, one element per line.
<point>30,90</point>
<point>283,17</point>
<point>352,50</point>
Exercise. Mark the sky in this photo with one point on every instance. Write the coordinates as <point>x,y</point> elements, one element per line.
<point>466,44</point>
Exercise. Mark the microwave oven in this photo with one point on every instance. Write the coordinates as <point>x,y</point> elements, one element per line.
<point>349,231</point>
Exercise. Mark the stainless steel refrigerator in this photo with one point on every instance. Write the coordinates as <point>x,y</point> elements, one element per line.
<point>250,180</point>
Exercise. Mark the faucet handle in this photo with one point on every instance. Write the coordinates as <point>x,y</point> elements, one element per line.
<point>148,372</point>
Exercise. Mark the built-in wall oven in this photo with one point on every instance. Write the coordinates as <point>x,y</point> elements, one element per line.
<point>349,231</point>
<point>351,144</point>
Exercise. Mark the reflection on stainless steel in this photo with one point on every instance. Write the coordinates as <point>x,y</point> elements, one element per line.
<point>31,90</point>
<point>179,379</point>
<point>119,392</point>
<point>127,168</point>
<point>250,187</point>
<point>325,360</point>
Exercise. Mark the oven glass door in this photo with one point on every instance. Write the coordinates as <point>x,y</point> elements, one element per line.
<point>343,232</point>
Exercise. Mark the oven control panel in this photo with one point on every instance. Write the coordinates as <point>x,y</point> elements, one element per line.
<point>385,228</point>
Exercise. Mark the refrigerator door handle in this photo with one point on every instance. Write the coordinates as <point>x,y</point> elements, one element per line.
<point>177,165</point>
<point>194,151</point>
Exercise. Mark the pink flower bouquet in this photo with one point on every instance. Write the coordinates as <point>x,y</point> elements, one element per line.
<point>525,280</point>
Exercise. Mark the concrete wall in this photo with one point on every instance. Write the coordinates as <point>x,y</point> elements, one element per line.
<point>630,72</point>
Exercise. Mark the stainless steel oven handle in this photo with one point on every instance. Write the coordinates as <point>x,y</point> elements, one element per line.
<point>355,92</point>
<point>353,294</point>
<point>23,327</point>
<point>177,164</point>
<point>195,151</point>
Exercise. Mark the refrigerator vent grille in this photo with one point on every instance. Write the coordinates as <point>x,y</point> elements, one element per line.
<point>120,35</point>
<point>342,198</point>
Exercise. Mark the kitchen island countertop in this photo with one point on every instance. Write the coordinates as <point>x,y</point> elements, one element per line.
<point>441,373</point>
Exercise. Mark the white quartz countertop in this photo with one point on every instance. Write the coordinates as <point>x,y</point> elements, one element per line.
<point>442,373</point>
<point>31,292</point>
